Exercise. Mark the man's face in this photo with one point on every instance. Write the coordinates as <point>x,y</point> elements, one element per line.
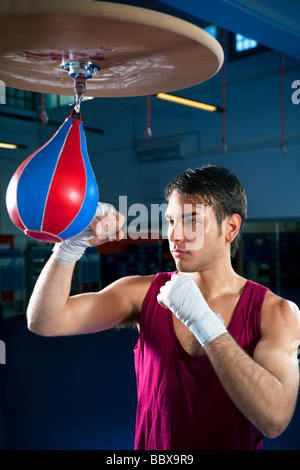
<point>193,233</point>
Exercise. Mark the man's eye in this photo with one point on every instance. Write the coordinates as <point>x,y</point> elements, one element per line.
<point>190,222</point>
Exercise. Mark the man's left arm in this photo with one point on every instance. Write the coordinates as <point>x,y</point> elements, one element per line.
<point>264,387</point>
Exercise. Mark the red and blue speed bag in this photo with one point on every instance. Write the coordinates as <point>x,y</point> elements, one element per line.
<point>53,195</point>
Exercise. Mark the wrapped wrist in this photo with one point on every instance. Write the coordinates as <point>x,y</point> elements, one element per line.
<point>70,251</point>
<point>184,298</point>
<point>208,328</point>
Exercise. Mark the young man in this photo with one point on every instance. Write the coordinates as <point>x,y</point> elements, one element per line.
<point>216,361</point>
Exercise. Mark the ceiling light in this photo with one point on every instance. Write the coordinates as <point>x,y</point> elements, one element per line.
<point>186,102</point>
<point>5,145</point>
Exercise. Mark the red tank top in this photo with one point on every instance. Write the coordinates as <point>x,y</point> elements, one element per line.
<point>181,402</point>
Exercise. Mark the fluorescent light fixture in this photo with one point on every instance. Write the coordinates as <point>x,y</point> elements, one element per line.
<point>4,145</point>
<point>184,101</point>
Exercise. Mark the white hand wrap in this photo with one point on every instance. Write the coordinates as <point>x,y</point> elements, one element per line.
<point>69,251</point>
<point>184,298</point>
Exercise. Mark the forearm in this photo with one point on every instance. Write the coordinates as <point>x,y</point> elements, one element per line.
<point>49,296</point>
<point>258,394</point>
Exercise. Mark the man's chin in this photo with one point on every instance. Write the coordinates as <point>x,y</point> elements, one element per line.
<point>183,267</point>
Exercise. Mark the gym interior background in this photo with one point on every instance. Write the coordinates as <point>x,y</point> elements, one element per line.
<point>79,392</point>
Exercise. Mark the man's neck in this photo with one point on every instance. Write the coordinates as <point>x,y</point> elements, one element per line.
<point>215,282</point>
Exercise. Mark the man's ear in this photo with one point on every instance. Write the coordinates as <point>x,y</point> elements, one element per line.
<point>233,226</point>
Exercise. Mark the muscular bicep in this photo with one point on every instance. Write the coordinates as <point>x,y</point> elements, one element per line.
<point>280,338</point>
<point>97,311</point>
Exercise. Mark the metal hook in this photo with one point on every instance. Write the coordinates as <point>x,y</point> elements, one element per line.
<point>79,88</point>
<point>80,71</point>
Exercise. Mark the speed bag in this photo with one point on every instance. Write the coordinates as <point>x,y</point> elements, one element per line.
<point>53,195</point>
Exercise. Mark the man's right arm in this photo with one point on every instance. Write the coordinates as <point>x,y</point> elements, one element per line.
<point>52,312</point>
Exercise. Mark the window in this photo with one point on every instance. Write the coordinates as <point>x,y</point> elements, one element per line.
<point>20,99</point>
<point>211,29</point>
<point>242,43</point>
<point>55,101</point>
<point>240,46</point>
<point>30,100</point>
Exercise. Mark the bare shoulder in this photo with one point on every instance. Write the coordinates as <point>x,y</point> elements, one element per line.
<point>136,284</point>
<point>279,313</point>
<point>135,289</point>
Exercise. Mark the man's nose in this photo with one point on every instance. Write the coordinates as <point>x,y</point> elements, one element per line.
<point>177,233</point>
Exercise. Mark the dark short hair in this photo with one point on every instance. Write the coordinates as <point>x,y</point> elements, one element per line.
<point>216,186</point>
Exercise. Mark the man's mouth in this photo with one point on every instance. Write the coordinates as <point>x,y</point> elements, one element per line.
<point>179,253</point>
